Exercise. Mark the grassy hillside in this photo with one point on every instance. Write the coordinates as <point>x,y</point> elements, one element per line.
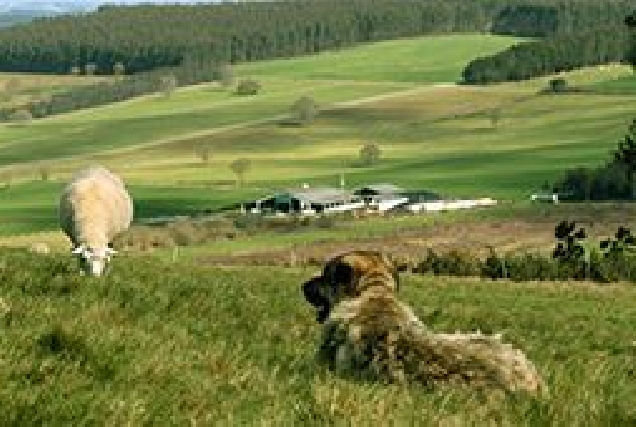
<point>437,137</point>
<point>17,90</point>
<point>624,85</point>
<point>422,60</point>
<point>155,344</point>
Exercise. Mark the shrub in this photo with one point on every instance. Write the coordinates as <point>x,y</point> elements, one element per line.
<point>558,85</point>
<point>248,87</point>
<point>453,263</point>
<point>304,111</point>
<point>21,116</point>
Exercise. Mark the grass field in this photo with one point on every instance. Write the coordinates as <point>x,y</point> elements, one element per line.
<point>156,344</point>
<point>436,137</point>
<point>429,60</point>
<point>624,85</point>
<point>168,339</point>
<point>17,89</point>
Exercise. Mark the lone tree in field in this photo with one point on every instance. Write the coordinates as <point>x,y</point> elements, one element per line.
<point>558,85</point>
<point>304,111</point>
<point>240,167</point>
<point>45,173</point>
<point>626,155</point>
<point>494,114</point>
<point>370,154</point>
<point>248,87</point>
<point>203,153</point>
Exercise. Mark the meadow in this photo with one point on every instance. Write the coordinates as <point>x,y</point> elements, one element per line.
<point>157,343</point>
<point>169,338</point>
<point>500,141</point>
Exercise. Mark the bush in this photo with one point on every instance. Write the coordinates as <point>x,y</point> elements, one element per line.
<point>248,87</point>
<point>558,85</point>
<point>453,263</point>
<point>304,111</point>
<point>571,260</point>
<point>21,116</point>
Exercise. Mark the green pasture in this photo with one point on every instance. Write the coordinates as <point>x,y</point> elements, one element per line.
<point>624,85</point>
<point>160,343</point>
<point>501,141</point>
<point>32,207</point>
<point>422,60</point>
<point>152,119</point>
<point>441,139</point>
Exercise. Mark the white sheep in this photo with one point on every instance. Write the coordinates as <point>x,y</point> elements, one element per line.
<point>94,208</point>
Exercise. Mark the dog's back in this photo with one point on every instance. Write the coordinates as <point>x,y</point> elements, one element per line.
<point>369,333</point>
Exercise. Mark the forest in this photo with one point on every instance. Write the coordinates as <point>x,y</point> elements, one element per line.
<point>584,35</point>
<point>193,43</point>
<point>146,37</point>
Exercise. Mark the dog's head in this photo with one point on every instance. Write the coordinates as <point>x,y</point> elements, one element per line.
<point>346,276</point>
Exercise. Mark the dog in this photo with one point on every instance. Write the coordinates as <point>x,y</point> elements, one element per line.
<point>369,334</point>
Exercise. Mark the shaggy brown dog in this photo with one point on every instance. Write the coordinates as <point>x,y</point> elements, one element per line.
<point>369,334</point>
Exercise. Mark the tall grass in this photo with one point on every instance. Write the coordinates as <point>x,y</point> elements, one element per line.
<point>163,343</point>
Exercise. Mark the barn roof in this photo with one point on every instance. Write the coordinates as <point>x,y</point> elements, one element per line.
<point>316,195</point>
<point>380,189</point>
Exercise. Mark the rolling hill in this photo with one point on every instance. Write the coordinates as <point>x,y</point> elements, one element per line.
<point>432,136</point>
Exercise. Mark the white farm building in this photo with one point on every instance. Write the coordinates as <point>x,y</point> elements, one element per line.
<point>307,202</point>
<point>382,197</point>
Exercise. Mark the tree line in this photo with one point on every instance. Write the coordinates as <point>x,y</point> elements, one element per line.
<point>615,180</point>
<point>588,34</point>
<point>631,24</point>
<point>78,97</point>
<point>147,37</point>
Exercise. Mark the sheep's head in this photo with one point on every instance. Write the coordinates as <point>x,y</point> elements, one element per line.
<point>93,261</point>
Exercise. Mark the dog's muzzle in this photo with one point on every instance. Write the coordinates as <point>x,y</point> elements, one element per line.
<point>311,290</point>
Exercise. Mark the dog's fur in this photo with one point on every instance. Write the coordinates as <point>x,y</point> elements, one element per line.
<point>369,333</point>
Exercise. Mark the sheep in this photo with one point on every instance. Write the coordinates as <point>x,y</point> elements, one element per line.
<point>93,209</point>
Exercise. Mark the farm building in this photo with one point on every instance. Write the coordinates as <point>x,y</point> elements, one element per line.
<point>378,197</point>
<point>545,197</point>
<point>382,197</point>
<point>449,205</point>
<point>307,202</point>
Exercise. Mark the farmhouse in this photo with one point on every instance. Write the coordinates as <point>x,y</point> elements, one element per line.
<point>382,197</point>
<point>307,202</point>
<point>376,197</point>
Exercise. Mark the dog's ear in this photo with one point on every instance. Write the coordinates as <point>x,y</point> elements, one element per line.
<point>341,276</point>
<point>342,273</point>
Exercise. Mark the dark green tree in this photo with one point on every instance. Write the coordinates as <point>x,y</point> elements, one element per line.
<point>370,154</point>
<point>631,24</point>
<point>304,110</point>
<point>240,167</point>
<point>248,87</point>
<point>626,155</point>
